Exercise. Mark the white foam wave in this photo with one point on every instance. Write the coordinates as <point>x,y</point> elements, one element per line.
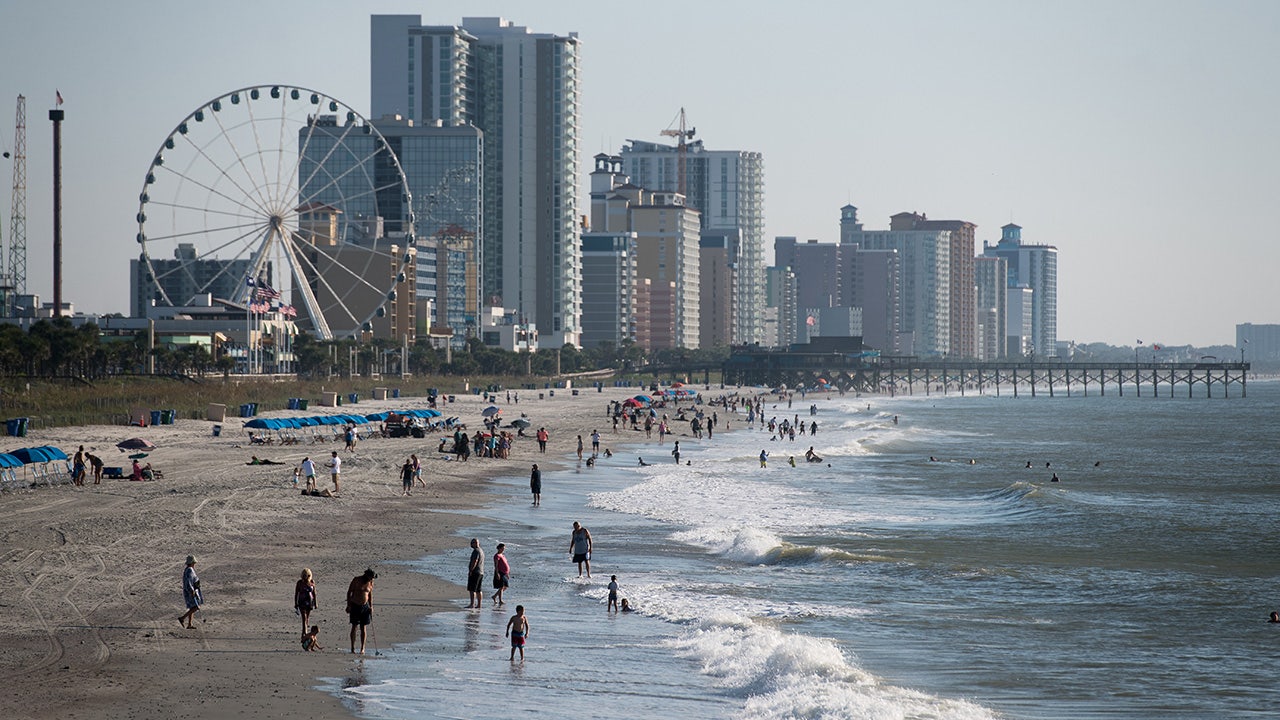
<point>675,603</point>
<point>783,675</point>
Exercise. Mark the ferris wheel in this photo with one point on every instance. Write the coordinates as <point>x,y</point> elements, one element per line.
<point>281,199</point>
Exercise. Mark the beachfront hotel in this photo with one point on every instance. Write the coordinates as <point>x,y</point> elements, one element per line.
<point>727,188</point>
<point>1034,267</point>
<point>521,90</point>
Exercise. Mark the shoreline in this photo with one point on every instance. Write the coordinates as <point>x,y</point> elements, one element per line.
<point>91,574</point>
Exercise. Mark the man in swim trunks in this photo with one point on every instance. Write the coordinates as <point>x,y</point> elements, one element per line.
<point>475,576</point>
<point>580,547</point>
<point>360,605</point>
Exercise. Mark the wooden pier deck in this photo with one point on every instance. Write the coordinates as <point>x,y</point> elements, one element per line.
<point>912,376</point>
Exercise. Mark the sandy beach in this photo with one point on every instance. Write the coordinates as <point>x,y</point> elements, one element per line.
<point>90,590</point>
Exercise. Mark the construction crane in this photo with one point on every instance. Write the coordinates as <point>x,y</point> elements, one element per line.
<point>682,149</point>
<point>18,214</point>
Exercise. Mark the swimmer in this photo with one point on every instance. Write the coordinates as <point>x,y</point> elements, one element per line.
<point>643,463</point>
<point>933,459</point>
<point>1275,616</point>
<point>626,607</point>
<point>1028,464</point>
<point>792,460</point>
<point>972,461</point>
<point>1054,478</point>
<point>1098,464</point>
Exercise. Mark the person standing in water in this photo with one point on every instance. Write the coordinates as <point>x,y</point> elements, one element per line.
<point>535,484</point>
<point>518,631</point>
<point>580,547</point>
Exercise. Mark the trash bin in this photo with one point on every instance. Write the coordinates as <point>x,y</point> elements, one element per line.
<point>302,403</point>
<point>167,416</point>
<point>575,391</point>
<point>452,398</point>
<point>541,396</point>
<point>395,393</point>
<point>246,410</point>
<point>156,416</point>
<point>217,430</point>
<point>293,403</point>
<point>17,427</point>
<point>354,397</point>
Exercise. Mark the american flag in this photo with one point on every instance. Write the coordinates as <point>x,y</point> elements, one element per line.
<point>265,292</point>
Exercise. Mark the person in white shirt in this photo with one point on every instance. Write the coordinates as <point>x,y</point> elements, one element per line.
<point>335,469</point>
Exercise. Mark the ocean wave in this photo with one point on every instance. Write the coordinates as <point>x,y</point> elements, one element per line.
<point>784,675</point>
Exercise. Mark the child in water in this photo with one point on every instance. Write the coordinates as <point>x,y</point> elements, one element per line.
<point>613,593</point>
<point>626,607</point>
<point>311,639</point>
<point>518,630</point>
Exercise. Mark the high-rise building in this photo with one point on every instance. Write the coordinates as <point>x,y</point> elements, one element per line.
<point>666,242</point>
<point>727,187</point>
<point>608,288</point>
<point>780,297</point>
<point>924,281</point>
<point>990,275</point>
<point>1034,267</point>
<point>521,89</point>
<point>718,302</point>
<point>962,322</point>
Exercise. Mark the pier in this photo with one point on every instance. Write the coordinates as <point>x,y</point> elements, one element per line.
<point>915,376</point>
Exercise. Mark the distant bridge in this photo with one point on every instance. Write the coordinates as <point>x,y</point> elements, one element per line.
<point>909,375</point>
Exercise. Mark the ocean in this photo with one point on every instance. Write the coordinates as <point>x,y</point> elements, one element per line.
<point>883,584</point>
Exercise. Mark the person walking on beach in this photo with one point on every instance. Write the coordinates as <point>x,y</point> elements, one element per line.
<point>595,442</point>
<point>501,574</point>
<point>360,605</point>
<point>406,477</point>
<point>518,631</point>
<point>335,469</point>
<point>190,593</point>
<point>579,447</point>
<point>475,576</point>
<point>417,470</point>
<point>580,547</point>
<point>304,597</point>
<point>535,484</point>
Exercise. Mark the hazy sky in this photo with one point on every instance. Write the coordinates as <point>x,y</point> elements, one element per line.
<point>1140,138</point>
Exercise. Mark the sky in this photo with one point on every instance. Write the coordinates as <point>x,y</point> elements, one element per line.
<point>1138,137</point>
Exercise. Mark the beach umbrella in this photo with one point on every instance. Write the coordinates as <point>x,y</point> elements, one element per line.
<point>54,453</point>
<point>256,423</point>
<point>32,455</point>
<point>380,417</point>
<point>136,444</point>
<point>9,461</point>
<point>520,423</point>
<point>491,411</point>
<point>137,456</point>
<point>677,384</point>
<point>631,402</point>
